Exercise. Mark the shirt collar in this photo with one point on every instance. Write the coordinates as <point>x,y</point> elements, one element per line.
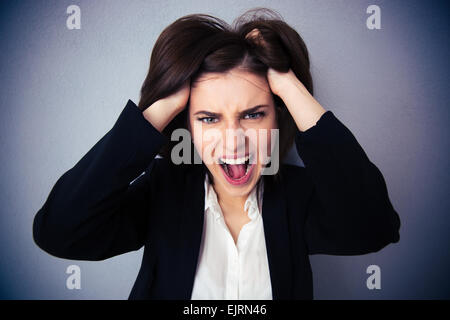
<point>253,203</point>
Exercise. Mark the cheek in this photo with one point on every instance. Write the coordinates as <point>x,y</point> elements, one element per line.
<point>197,140</point>
<point>205,142</point>
<point>267,139</point>
<point>195,128</point>
<point>264,142</point>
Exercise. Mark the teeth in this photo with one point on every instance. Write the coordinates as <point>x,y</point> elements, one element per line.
<point>234,161</point>
<point>225,162</point>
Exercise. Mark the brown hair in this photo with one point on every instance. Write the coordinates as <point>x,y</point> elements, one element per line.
<point>200,43</point>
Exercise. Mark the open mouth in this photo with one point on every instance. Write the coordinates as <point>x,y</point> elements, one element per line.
<point>237,171</point>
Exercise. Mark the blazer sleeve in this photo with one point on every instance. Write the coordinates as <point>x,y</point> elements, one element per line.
<point>348,211</point>
<point>95,210</point>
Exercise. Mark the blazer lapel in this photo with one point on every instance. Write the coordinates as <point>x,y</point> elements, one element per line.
<point>276,231</point>
<point>192,228</point>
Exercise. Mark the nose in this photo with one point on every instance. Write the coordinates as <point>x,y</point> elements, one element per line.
<point>235,139</point>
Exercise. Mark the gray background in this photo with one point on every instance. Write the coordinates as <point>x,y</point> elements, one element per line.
<point>62,90</point>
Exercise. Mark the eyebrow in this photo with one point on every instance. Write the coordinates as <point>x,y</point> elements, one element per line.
<point>214,114</point>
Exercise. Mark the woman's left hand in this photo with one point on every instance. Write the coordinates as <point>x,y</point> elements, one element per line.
<point>303,107</point>
<point>279,80</point>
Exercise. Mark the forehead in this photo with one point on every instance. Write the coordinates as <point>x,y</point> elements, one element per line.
<point>233,89</point>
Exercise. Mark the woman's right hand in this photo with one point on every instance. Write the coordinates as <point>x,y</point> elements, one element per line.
<point>160,113</point>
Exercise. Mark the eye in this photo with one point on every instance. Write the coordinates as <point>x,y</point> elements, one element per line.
<point>208,120</point>
<point>254,115</point>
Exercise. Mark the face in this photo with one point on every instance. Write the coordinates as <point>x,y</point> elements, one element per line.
<point>230,119</point>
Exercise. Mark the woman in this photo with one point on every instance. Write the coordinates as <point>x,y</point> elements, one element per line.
<point>228,227</point>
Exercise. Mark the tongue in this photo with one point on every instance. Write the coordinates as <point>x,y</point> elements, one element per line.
<point>236,171</point>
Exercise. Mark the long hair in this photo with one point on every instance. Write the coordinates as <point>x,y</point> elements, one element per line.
<point>200,43</point>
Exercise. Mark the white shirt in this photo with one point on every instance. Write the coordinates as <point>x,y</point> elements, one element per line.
<point>229,271</point>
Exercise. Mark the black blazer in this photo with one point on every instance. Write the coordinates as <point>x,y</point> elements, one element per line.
<point>337,204</point>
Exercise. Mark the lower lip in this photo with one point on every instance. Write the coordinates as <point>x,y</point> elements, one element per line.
<point>242,180</point>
